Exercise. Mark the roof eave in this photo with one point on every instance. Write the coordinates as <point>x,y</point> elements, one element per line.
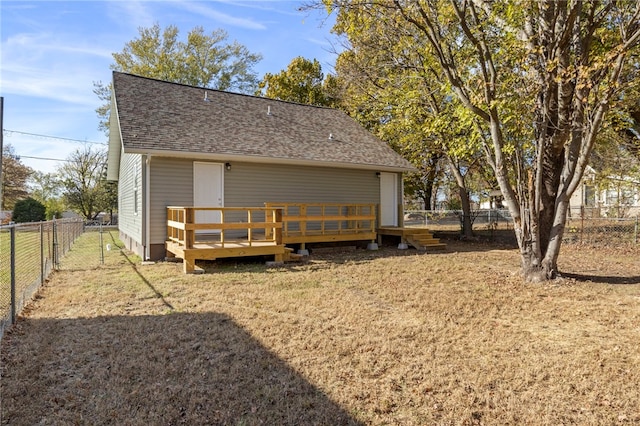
<point>221,157</point>
<point>115,143</point>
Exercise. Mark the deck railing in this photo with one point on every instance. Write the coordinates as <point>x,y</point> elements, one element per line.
<point>224,225</point>
<point>319,222</point>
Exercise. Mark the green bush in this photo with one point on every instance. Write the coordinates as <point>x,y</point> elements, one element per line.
<point>28,210</point>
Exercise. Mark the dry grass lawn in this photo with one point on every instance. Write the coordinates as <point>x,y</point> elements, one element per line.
<point>387,337</point>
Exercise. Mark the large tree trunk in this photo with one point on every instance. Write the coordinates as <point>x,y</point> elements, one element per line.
<point>430,181</point>
<point>463,192</point>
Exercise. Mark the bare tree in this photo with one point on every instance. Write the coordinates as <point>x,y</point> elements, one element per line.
<point>81,176</point>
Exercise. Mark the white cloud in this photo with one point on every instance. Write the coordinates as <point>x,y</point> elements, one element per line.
<point>221,17</point>
<point>60,85</point>
<point>131,13</point>
<point>32,45</point>
<point>52,67</point>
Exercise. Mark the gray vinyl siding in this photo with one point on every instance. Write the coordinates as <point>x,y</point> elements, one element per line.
<point>171,185</point>
<point>252,184</point>
<point>130,217</point>
<point>249,184</point>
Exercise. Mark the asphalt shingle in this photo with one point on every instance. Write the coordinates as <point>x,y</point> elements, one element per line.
<point>174,118</point>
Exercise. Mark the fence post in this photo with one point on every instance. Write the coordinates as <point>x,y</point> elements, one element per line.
<point>55,244</point>
<point>12,238</point>
<point>41,252</point>
<point>101,246</point>
<point>581,222</point>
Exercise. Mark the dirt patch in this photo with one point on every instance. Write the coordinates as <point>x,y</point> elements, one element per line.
<point>386,337</point>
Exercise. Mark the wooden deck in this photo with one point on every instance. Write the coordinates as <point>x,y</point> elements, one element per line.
<point>209,233</point>
<point>326,222</point>
<point>420,238</point>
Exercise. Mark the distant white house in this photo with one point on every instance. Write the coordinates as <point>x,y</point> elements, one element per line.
<point>621,198</point>
<point>70,215</point>
<point>5,216</point>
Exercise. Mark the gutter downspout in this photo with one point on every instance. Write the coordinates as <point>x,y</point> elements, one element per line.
<point>147,208</point>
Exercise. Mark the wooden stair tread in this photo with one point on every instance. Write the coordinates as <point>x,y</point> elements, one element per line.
<point>424,241</point>
<point>290,256</point>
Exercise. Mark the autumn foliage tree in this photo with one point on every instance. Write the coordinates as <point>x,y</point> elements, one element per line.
<point>392,85</point>
<point>14,179</point>
<point>565,62</point>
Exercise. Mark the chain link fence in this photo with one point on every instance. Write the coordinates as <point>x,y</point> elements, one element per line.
<point>485,223</point>
<point>90,250</point>
<point>602,231</point>
<point>582,226</point>
<point>28,254</point>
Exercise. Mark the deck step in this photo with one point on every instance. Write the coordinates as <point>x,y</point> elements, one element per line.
<point>290,256</point>
<point>424,240</point>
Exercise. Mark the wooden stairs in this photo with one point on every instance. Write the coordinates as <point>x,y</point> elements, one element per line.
<point>419,238</point>
<point>290,256</point>
<point>423,240</point>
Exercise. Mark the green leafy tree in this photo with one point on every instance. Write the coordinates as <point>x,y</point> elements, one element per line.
<point>302,82</point>
<point>568,63</point>
<point>108,201</point>
<point>47,188</point>
<point>420,185</point>
<point>14,178</point>
<point>393,87</point>
<point>82,181</point>
<point>201,60</point>
<point>28,210</point>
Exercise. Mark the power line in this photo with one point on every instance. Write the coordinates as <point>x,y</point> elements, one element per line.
<point>40,158</point>
<point>9,132</point>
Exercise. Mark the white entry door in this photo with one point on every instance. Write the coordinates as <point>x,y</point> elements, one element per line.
<point>208,191</point>
<point>388,199</point>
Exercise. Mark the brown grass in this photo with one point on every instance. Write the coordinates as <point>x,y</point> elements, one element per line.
<point>387,337</point>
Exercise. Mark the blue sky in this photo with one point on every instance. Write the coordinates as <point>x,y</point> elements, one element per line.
<point>53,51</point>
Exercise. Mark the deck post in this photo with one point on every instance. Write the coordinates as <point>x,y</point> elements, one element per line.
<point>189,233</point>
<point>250,230</point>
<point>302,210</point>
<point>278,257</point>
<point>223,229</point>
<point>268,218</point>
<point>278,230</point>
<point>188,265</point>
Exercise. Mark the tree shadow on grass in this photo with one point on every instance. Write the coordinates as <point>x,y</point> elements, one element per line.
<point>601,279</point>
<point>140,370</point>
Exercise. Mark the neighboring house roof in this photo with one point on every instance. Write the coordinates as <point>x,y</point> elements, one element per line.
<point>169,119</point>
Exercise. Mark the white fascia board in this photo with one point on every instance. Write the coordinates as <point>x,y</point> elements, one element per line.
<point>116,148</point>
<point>269,160</point>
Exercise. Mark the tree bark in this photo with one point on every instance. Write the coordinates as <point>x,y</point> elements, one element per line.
<point>463,193</point>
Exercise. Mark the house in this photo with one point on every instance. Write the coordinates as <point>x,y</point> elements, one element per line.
<point>177,145</point>
<point>5,216</point>
<point>614,196</point>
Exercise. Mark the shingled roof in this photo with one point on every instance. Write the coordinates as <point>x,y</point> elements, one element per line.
<point>169,119</point>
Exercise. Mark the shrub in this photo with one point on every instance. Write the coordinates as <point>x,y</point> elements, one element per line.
<point>28,210</point>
